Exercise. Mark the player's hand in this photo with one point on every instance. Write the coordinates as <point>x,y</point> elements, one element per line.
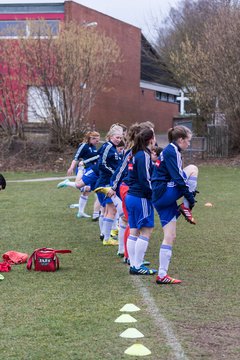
<point>191,206</point>
<point>70,172</point>
<point>111,193</point>
<point>195,193</point>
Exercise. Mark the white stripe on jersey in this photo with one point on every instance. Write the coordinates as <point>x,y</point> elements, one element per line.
<point>104,158</point>
<point>122,168</point>
<point>77,156</point>
<point>147,167</point>
<point>179,162</point>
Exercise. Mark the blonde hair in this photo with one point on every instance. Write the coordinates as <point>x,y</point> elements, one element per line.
<point>135,129</point>
<point>124,127</point>
<point>114,130</point>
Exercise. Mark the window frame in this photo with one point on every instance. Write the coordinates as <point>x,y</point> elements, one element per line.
<point>159,97</point>
<point>28,30</point>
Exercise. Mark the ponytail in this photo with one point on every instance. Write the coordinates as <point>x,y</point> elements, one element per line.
<point>142,140</point>
<point>178,132</point>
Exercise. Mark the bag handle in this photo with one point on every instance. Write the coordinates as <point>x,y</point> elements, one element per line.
<point>29,263</point>
<point>63,251</point>
<point>55,250</point>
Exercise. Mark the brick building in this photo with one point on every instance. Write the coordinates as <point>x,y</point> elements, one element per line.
<point>136,93</point>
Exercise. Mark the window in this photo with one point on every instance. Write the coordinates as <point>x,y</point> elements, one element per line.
<point>24,28</point>
<point>162,96</point>
<point>171,98</point>
<point>42,28</point>
<point>38,103</point>
<point>12,29</point>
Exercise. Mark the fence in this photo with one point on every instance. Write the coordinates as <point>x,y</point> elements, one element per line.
<point>217,140</point>
<point>197,147</point>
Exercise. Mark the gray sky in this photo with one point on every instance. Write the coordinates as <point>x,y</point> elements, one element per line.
<point>141,13</point>
<point>145,14</point>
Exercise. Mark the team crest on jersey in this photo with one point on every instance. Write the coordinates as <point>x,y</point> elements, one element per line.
<point>130,167</point>
<point>158,162</point>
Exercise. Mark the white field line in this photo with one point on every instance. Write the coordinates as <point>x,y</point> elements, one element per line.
<point>41,179</point>
<point>162,324</point>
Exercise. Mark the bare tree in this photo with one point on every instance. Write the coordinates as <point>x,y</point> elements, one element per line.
<point>12,110</point>
<point>202,50</point>
<point>63,74</point>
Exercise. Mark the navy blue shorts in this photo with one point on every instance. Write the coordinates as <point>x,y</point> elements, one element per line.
<point>166,206</point>
<point>140,212</point>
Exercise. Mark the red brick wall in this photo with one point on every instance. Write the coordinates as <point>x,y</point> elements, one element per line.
<point>124,102</point>
<point>161,113</point>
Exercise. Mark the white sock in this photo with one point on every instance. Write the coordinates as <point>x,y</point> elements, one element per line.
<point>192,184</point>
<point>122,228</point>
<point>165,255</point>
<point>140,250</point>
<point>100,222</point>
<point>131,243</point>
<point>107,227</point>
<point>95,215</point>
<point>115,222</point>
<point>82,203</point>
<point>71,184</point>
<point>118,205</point>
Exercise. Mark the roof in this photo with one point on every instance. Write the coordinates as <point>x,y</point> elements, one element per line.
<point>152,67</point>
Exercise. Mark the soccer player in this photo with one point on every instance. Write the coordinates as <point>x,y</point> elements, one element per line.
<point>86,150</point>
<point>119,187</point>
<point>108,162</point>
<point>138,201</point>
<point>170,182</point>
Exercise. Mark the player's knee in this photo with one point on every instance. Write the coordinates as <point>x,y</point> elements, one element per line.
<point>191,170</point>
<point>110,210</point>
<point>170,238</point>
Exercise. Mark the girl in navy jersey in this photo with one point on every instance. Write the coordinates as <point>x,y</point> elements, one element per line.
<point>86,150</point>
<point>138,201</point>
<point>170,182</point>
<point>119,184</point>
<point>108,162</point>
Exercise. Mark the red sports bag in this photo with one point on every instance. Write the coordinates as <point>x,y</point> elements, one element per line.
<point>45,259</point>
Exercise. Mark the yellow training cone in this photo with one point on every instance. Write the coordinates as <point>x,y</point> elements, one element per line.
<point>137,350</point>
<point>125,318</point>
<point>208,204</point>
<point>129,308</point>
<point>131,333</point>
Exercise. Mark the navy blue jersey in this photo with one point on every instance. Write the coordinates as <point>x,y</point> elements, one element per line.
<point>139,175</point>
<point>85,151</point>
<point>121,173</point>
<point>108,162</point>
<point>168,171</point>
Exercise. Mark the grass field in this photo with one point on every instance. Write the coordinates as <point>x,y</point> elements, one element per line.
<point>70,314</point>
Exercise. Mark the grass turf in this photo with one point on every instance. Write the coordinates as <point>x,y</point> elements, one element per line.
<point>70,314</point>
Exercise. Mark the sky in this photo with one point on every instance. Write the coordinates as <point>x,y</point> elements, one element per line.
<point>145,14</point>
